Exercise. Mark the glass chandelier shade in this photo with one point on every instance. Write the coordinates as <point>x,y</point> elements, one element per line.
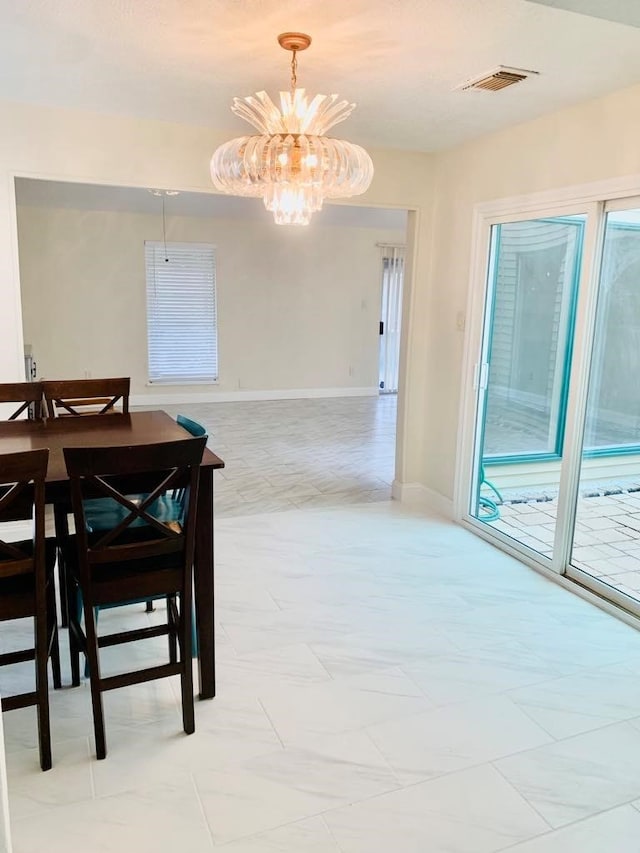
<point>292,164</point>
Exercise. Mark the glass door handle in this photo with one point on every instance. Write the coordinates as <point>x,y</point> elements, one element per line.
<point>481,376</point>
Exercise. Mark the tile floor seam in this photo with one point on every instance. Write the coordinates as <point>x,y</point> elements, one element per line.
<point>504,691</point>
<point>564,826</point>
<point>435,779</point>
<point>271,723</point>
<point>382,755</point>
<point>202,810</point>
<point>427,779</point>
<point>339,846</point>
<point>329,675</point>
<point>618,721</point>
<point>315,814</point>
<point>521,796</point>
<point>278,606</point>
<point>91,772</point>
<point>533,720</point>
<point>552,742</point>
<point>262,832</point>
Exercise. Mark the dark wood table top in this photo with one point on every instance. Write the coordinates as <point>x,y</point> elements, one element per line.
<point>93,431</point>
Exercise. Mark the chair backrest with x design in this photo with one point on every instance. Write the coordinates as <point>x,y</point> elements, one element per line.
<point>22,477</point>
<point>74,397</point>
<point>140,532</point>
<point>27,394</point>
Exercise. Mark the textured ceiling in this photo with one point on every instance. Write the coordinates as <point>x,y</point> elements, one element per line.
<point>400,60</point>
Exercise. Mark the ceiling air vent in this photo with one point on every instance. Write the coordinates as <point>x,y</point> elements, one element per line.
<point>498,79</point>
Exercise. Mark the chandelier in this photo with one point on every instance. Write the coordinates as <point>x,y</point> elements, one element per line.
<point>291,163</point>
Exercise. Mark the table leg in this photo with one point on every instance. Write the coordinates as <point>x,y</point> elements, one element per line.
<point>203,586</point>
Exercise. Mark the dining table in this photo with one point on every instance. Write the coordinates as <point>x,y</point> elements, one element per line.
<point>125,430</point>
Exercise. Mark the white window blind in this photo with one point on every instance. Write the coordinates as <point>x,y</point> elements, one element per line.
<point>182,337</point>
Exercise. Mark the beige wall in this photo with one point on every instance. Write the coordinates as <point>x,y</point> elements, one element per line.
<point>592,142</point>
<point>296,310</point>
<point>70,145</point>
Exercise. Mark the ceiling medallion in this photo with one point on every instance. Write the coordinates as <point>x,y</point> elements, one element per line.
<point>292,164</point>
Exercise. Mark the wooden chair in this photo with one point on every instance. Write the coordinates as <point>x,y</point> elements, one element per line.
<point>64,398</point>
<point>95,396</point>
<point>142,556</point>
<point>26,582</point>
<point>97,512</point>
<point>27,394</point>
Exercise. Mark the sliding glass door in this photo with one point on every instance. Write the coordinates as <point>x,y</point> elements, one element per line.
<point>606,540</point>
<point>555,472</point>
<point>523,376</point>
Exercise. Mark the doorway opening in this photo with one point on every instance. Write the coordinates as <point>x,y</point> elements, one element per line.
<point>393,264</point>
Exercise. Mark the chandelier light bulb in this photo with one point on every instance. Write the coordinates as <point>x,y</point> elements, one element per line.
<point>292,164</point>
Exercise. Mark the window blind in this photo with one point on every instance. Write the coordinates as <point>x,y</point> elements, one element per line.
<point>182,337</point>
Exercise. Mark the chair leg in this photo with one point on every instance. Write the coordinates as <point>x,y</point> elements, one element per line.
<point>62,583</point>
<point>74,608</point>
<point>55,660</point>
<point>186,677</point>
<point>53,644</point>
<point>62,533</point>
<point>42,687</point>
<point>94,676</point>
<point>194,631</point>
<point>74,653</point>
<point>173,640</point>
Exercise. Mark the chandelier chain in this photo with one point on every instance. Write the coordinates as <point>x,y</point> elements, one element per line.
<point>294,69</point>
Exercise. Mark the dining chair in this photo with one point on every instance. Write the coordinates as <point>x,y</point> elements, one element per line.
<point>101,514</point>
<point>196,429</point>
<point>27,394</point>
<point>26,582</point>
<point>75,397</point>
<point>140,557</point>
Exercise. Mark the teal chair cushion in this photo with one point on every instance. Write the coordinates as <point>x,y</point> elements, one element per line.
<point>193,427</point>
<point>106,513</point>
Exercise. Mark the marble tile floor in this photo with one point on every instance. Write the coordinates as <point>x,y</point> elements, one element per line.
<point>290,454</point>
<point>387,683</point>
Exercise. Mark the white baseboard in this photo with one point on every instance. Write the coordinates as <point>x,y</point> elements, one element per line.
<point>165,398</point>
<point>419,495</point>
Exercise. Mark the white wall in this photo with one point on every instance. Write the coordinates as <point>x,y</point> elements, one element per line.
<point>595,141</point>
<point>297,308</point>
<point>71,145</point>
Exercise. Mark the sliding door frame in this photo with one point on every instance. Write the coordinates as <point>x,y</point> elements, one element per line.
<point>573,572</point>
<point>592,200</point>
